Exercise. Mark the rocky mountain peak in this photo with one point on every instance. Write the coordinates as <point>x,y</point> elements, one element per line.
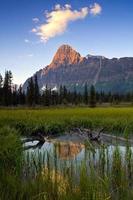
<point>65,55</point>
<point>69,69</point>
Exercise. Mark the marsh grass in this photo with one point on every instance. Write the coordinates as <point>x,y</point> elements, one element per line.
<point>52,120</point>
<point>98,176</point>
<point>43,176</point>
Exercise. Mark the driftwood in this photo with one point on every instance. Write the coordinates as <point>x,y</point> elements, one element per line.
<point>95,137</point>
<point>38,145</point>
<point>39,137</point>
<point>89,133</point>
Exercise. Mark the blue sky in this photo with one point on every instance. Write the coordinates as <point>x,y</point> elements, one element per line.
<point>108,33</point>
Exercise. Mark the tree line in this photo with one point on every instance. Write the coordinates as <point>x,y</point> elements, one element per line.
<point>12,95</point>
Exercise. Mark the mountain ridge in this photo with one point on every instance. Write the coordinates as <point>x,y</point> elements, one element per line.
<point>69,68</point>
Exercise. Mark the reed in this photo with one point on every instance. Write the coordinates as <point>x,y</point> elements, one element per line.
<point>99,175</point>
<point>52,120</point>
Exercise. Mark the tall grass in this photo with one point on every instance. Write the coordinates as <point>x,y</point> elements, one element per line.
<point>10,162</point>
<point>116,120</point>
<point>44,175</point>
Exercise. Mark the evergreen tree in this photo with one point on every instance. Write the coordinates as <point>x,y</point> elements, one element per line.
<point>1,89</point>
<point>7,88</point>
<point>101,97</point>
<point>30,93</point>
<point>86,94</point>
<point>37,95</point>
<point>69,97</point>
<point>47,96</point>
<point>1,81</point>
<point>23,100</point>
<point>92,100</point>
<point>14,96</point>
<point>42,98</point>
<point>80,98</point>
<point>74,95</point>
<point>54,98</point>
<point>21,96</point>
<point>61,95</point>
<point>64,100</point>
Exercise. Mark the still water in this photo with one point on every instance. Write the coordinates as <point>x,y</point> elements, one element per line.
<point>73,149</point>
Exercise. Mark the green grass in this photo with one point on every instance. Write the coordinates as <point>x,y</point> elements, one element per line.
<point>116,120</point>
<point>26,177</point>
<point>43,177</point>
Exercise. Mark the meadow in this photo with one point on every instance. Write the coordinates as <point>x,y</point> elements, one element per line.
<point>59,120</point>
<point>41,176</point>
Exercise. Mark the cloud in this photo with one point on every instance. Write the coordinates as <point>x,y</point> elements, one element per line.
<point>35,20</point>
<point>58,19</point>
<point>95,9</point>
<point>34,30</point>
<point>26,41</point>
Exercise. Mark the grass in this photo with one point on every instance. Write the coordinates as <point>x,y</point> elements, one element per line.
<point>97,177</point>
<point>116,120</point>
<point>42,177</point>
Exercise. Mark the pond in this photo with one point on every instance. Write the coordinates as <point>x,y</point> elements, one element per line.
<point>70,150</point>
<point>73,168</point>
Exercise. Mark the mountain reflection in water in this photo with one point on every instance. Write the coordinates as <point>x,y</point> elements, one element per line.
<point>64,148</point>
<point>68,150</point>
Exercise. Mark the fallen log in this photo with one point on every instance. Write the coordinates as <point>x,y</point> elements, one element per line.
<point>96,137</point>
<point>38,145</point>
<point>89,133</point>
<point>39,137</point>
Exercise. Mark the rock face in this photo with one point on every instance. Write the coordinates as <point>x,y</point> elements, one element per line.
<point>65,56</point>
<point>69,68</point>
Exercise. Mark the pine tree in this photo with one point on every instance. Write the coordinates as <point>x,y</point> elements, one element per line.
<point>1,81</point>
<point>92,100</point>
<point>61,95</point>
<point>1,89</point>
<point>47,96</point>
<point>74,95</point>
<point>37,95</point>
<point>14,96</point>
<point>64,91</point>
<point>7,88</point>
<point>21,96</point>
<point>54,98</point>
<point>30,93</point>
<point>86,94</point>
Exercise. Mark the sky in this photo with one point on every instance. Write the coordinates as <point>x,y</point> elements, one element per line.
<point>31,31</point>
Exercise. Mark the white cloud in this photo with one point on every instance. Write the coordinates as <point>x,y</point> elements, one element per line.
<point>95,9</point>
<point>68,6</point>
<point>58,19</point>
<point>34,30</point>
<point>57,7</point>
<point>27,41</point>
<point>35,20</point>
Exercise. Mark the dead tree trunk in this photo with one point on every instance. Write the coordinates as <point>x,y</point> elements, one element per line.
<point>89,133</point>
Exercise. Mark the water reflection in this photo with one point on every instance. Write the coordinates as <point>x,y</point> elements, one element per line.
<point>68,150</point>
<point>74,150</point>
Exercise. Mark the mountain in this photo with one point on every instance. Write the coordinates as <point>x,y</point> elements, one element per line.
<point>65,56</point>
<point>69,68</point>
